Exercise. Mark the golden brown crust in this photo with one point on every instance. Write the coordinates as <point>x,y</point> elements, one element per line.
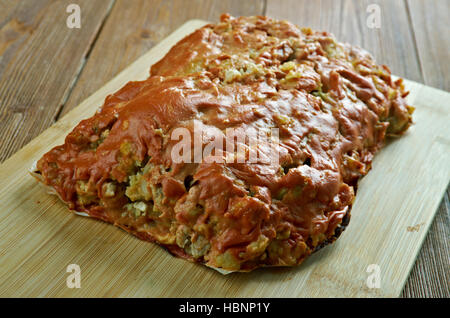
<point>331,104</point>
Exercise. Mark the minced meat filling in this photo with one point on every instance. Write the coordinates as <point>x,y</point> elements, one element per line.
<point>332,105</point>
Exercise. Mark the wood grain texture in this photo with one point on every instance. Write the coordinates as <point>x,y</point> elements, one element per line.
<point>347,20</point>
<point>431,25</point>
<point>40,57</point>
<point>415,31</point>
<point>40,238</point>
<point>419,32</point>
<point>430,276</point>
<point>135,26</point>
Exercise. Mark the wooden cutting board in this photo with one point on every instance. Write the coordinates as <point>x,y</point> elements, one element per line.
<point>394,207</point>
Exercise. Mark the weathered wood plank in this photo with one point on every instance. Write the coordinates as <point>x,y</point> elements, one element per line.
<point>430,22</point>
<point>39,59</point>
<point>131,30</point>
<point>430,275</point>
<point>347,20</point>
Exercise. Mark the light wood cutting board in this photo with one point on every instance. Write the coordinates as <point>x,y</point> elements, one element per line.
<point>394,207</point>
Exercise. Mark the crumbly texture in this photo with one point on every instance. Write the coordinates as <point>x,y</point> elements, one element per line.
<point>333,107</point>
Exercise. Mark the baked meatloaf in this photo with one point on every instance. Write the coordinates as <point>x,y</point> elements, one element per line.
<point>324,107</point>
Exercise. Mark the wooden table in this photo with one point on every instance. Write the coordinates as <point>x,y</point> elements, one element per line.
<point>47,68</point>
